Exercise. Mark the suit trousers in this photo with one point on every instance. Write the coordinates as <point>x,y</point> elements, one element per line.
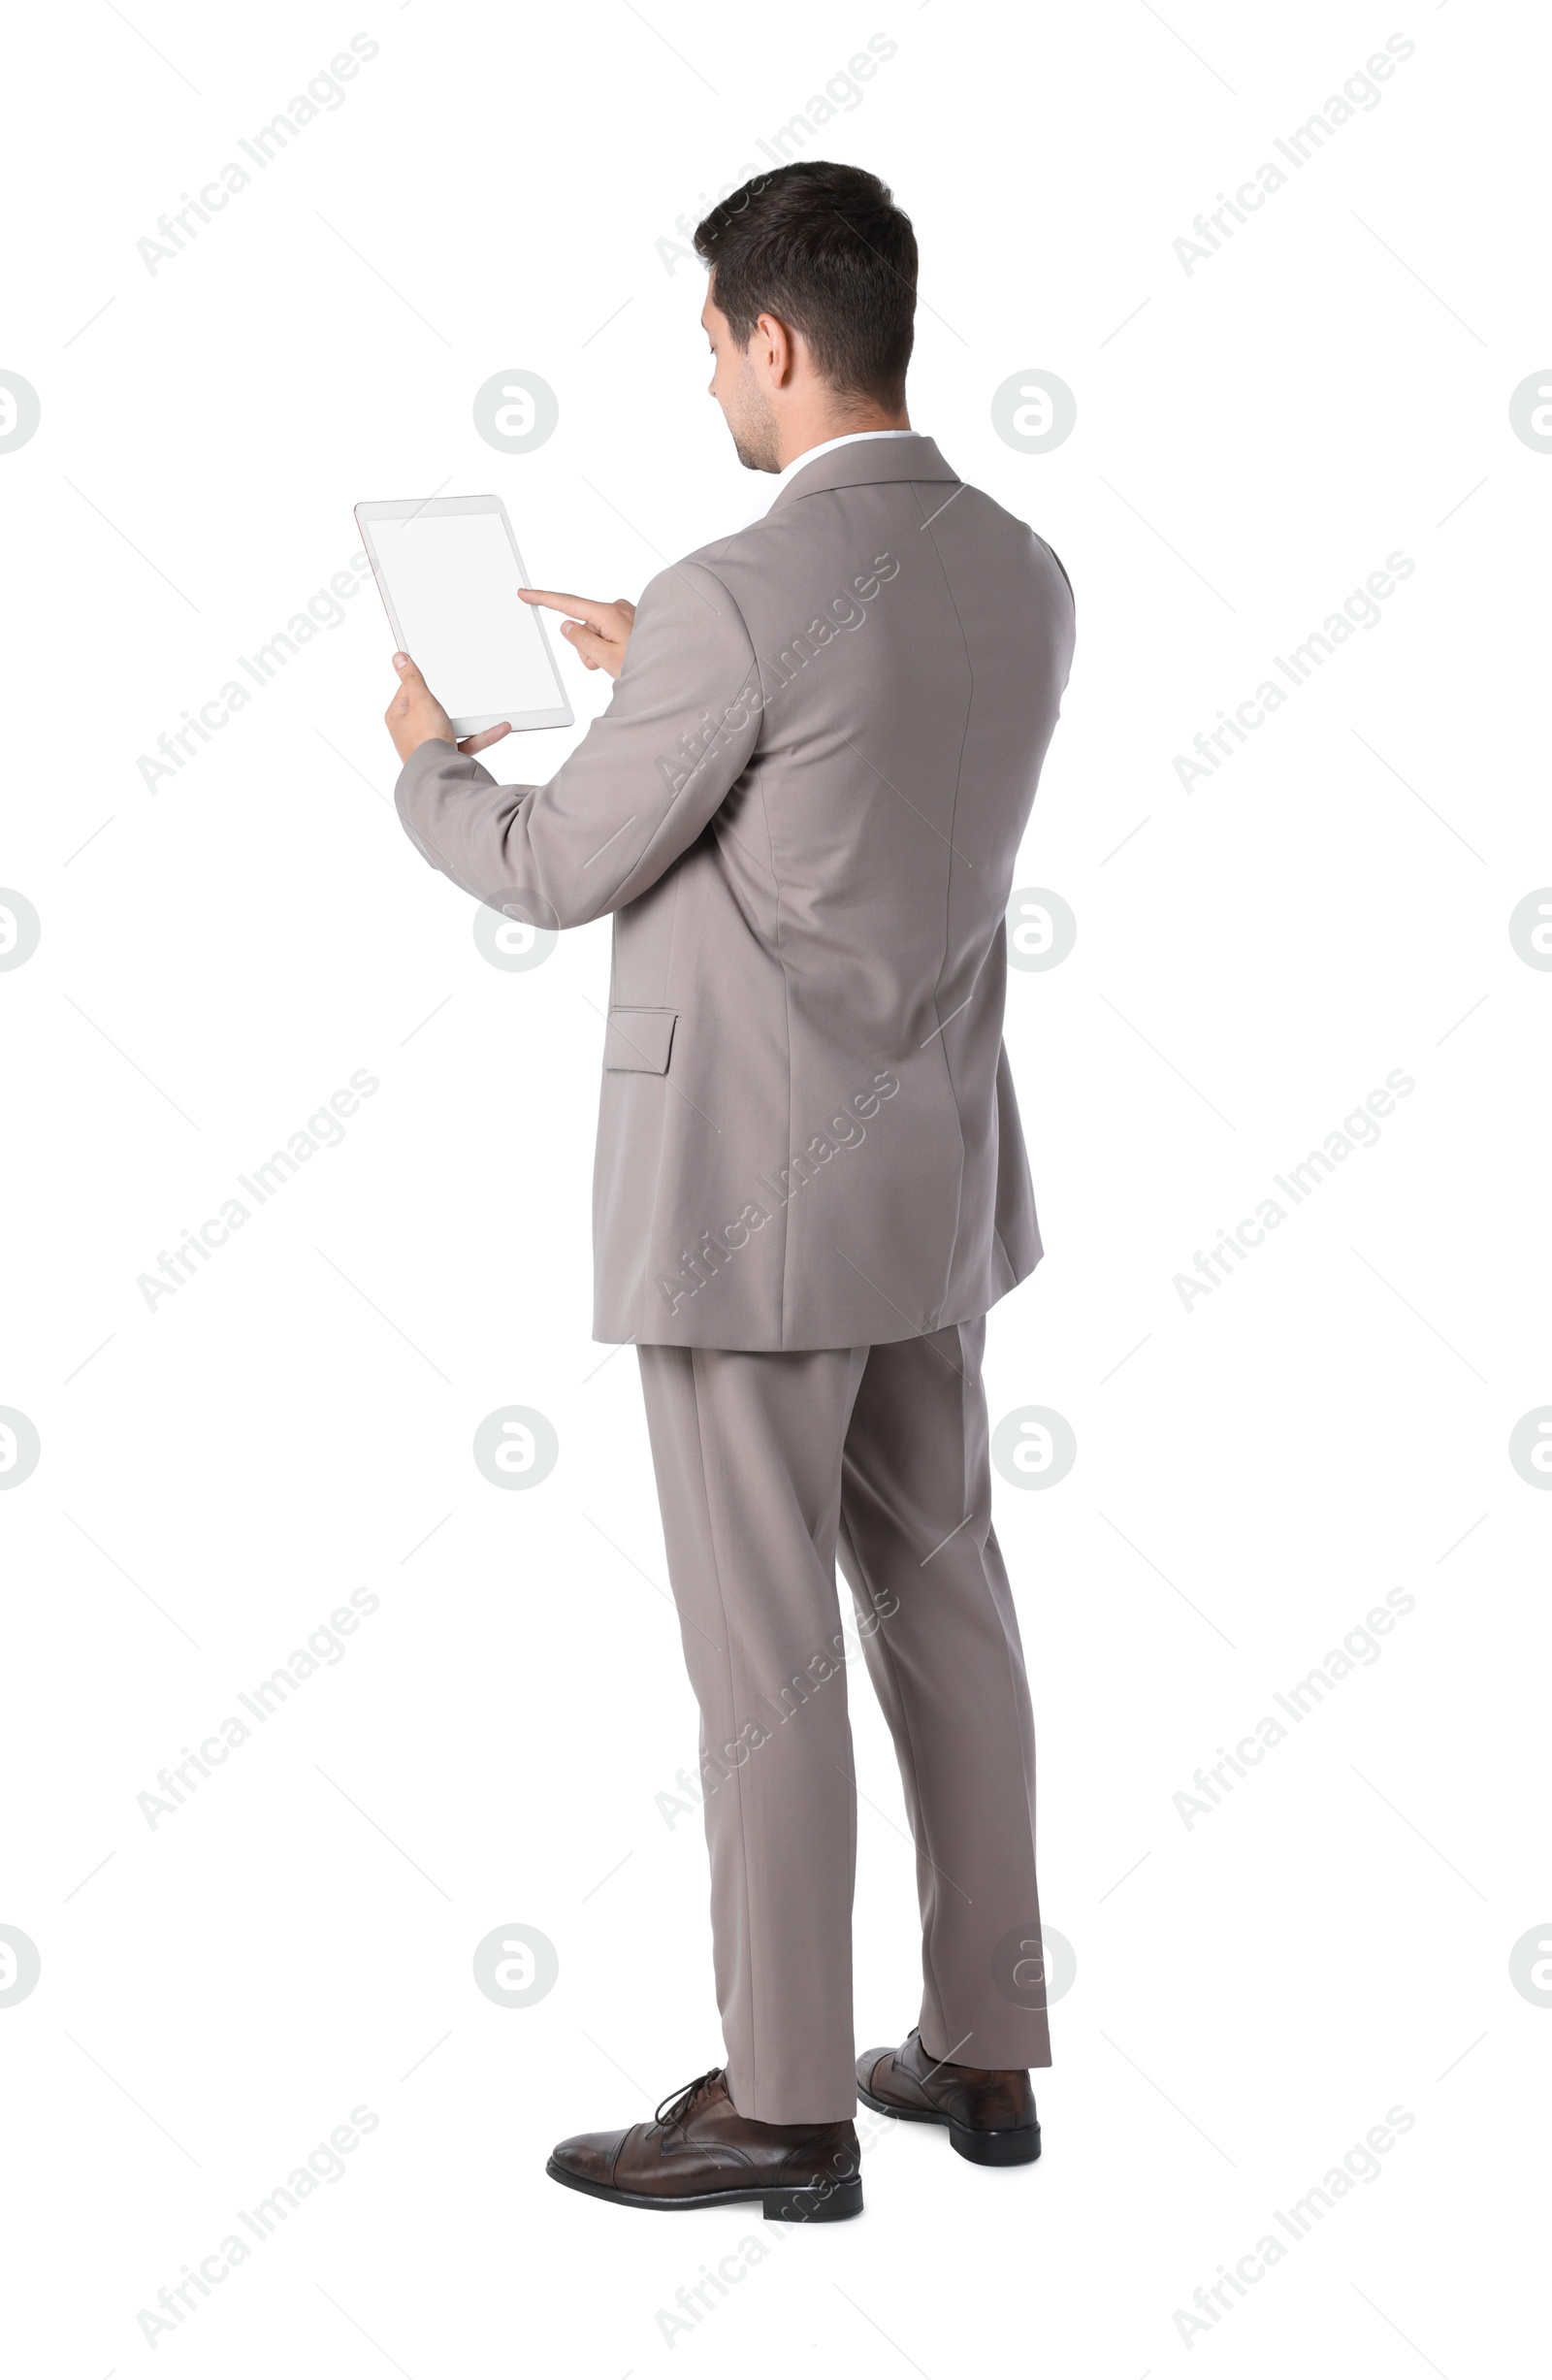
<point>768,1465</point>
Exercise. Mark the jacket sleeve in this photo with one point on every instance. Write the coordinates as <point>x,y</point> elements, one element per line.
<point>636,792</point>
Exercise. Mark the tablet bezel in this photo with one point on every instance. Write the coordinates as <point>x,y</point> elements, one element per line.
<point>409,508</point>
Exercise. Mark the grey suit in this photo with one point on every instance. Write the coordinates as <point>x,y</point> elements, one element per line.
<point>803,806</point>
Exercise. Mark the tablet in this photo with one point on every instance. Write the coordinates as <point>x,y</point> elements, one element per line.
<point>448,570</point>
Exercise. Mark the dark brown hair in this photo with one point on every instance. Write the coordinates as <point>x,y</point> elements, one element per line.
<point>824,248</point>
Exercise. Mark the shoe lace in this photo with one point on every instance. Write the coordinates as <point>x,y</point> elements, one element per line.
<point>678,2103</point>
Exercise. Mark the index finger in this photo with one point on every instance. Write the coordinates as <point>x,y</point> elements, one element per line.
<point>580,607</point>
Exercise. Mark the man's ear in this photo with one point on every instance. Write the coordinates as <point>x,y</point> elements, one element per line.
<point>783,353</point>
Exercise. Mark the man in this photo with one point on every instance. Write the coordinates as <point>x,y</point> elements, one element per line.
<point>803,808</point>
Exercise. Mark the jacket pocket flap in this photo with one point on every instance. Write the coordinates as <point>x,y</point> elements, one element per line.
<point>638,1040</point>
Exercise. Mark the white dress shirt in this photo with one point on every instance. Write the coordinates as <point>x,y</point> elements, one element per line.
<point>799,461</point>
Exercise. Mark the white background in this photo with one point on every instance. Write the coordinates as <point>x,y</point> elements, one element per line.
<point>1254,1992</point>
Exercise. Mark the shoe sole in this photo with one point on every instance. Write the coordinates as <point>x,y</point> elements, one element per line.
<point>825,2202</point>
<point>980,2148</point>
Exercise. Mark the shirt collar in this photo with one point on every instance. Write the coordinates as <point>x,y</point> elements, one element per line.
<point>801,462</point>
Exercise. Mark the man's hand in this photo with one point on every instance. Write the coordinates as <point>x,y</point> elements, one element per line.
<point>415,715</point>
<point>597,632</point>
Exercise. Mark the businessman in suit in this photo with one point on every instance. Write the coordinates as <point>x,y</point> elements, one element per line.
<point>803,808</point>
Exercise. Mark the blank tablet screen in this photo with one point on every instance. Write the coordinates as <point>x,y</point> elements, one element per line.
<point>453,578</point>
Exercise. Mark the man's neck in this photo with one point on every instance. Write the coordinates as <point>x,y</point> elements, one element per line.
<point>798,438</point>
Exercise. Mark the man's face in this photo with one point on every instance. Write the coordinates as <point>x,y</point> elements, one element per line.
<point>746,407</point>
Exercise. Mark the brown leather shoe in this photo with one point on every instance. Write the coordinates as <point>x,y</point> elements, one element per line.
<point>989,2110</point>
<point>699,2151</point>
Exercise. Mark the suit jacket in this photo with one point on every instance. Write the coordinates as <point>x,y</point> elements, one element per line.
<point>803,806</point>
